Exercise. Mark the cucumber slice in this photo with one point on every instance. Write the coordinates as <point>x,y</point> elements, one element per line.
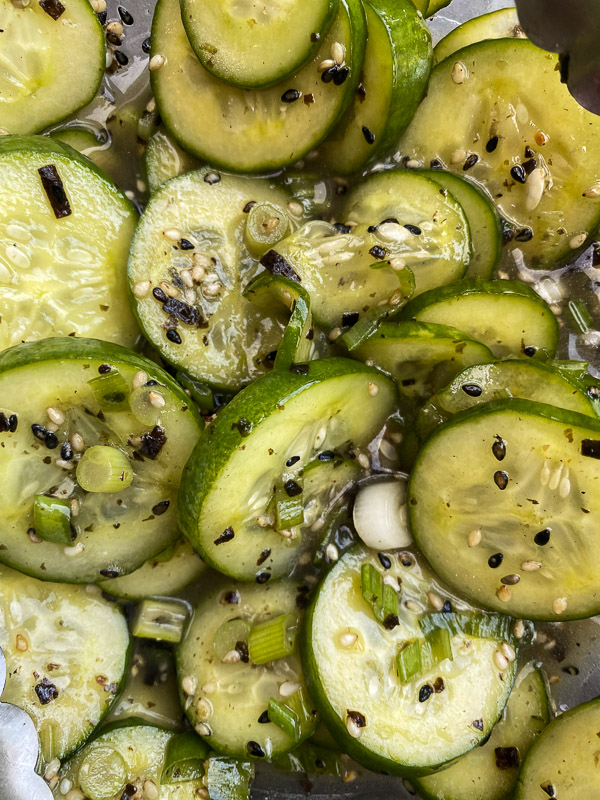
<point>393,82</point>
<point>436,5</point>
<point>226,699</point>
<point>507,316</point>
<point>484,223</point>
<point>501,24</point>
<point>164,159</point>
<point>122,760</point>
<point>518,479</point>
<point>61,260</point>
<point>252,131</point>
<point>490,771</point>
<point>348,274</point>
<point>264,438</point>
<point>421,357</point>
<point>433,235</point>
<point>203,325</point>
<point>165,575</point>
<point>505,111</point>
<point>562,763</point>
<point>66,652</point>
<point>349,660</point>
<point>529,380</point>
<point>53,59</point>
<point>46,385</point>
<point>255,45</point>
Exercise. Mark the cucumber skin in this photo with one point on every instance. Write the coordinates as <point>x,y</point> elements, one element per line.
<point>277,389</point>
<point>348,744</point>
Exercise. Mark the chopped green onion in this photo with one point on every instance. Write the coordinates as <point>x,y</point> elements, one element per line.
<point>229,635</point>
<point>294,717</point>
<point>104,469</point>
<point>147,125</point>
<point>228,779</point>
<point>142,407</point>
<point>408,661</point>
<point>419,656</point>
<point>364,328</point>
<point>289,510</point>
<point>201,393</point>
<point>162,620</point>
<point>582,319</point>
<point>111,391</point>
<point>381,597</point>
<point>479,625</point>
<point>184,758</point>
<point>266,225</point>
<point>52,519</point>
<point>273,639</point>
<point>311,759</point>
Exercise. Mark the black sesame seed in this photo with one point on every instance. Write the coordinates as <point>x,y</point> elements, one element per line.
<point>510,580</point>
<point>146,45</point>
<point>472,389</point>
<point>495,560</point>
<point>125,16</point>
<point>173,336</point>
<point>341,228</point>
<point>590,448</point>
<point>530,351</point>
<point>263,577</point>
<point>211,178</point>
<point>263,557</point>
<point>341,75</point>
<point>299,369</point>
<point>414,229</point>
<point>385,561</point>
<point>425,692</point>
<point>102,17</point>
<point>66,451</point>
<point>508,231</point>
<point>372,229</point>
<point>104,369</point>
<point>518,174</point>
<point>113,39</point>
<point>254,749</point>
<point>501,479</point>
<point>470,161</point>
<point>121,58</point>
<point>368,134</point>
<point>524,235</point>
<point>435,163</point>
<point>314,37</point>
<point>13,422</point>
<point>185,244</point>
<point>231,598</point>
<point>291,461</point>
<point>159,295</point>
<point>548,788</point>
<point>39,432</point>
<point>478,724</point>
<point>328,75</point>
<point>242,648</point>
<point>447,607</point>
<point>4,424</point>
<point>529,165</point>
<point>161,507</point>
<point>292,489</point>
<point>249,206</point>
<point>543,537</point>
<point>499,448</point>
<point>329,455</point>
<point>226,536</point>
<point>528,152</point>
<point>290,96</point>
<point>264,717</point>
<point>492,144</point>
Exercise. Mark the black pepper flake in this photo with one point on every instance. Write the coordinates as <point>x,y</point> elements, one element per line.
<point>499,448</point>
<point>290,96</point>
<point>590,448</point>
<point>328,75</point>
<point>472,389</point>
<point>507,757</point>
<point>492,144</point>
<point>263,557</point>
<point>277,265</point>
<point>292,489</point>
<point>501,479</point>
<point>255,750</point>
<point>161,507</point>
<point>299,369</point>
<point>518,174</point>
<point>478,724</point>
<point>329,455</point>
<point>309,99</point>
<point>126,17</point>
<point>425,692</point>
<point>495,560</point>
<point>55,191</point>
<point>152,442</point>
<point>368,134</point>
<point>341,75</point>
<point>173,336</point>
<point>470,162</point>
<point>384,560</point>
<point>349,319</point>
<point>263,577</point>
<point>185,313</point>
<point>391,622</point>
<point>46,691</point>
<point>439,685</point>
<point>54,8</point>
<point>378,252</point>
<point>414,229</point>
<point>341,228</point>
<point>357,718</point>
<point>529,351</point>
<point>243,426</point>
<point>542,538</point>
<point>226,536</point>
<point>524,235</point>
<point>264,717</point>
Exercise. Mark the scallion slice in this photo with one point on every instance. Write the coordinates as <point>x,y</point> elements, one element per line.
<point>104,469</point>
<point>294,717</point>
<point>273,639</point>
<point>162,620</point>
<point>289,510</point>
<point>184,758</point>
<point>266,225</point>
<point>111,391</point>
<point>380,596</point>
<point>52,519</point>
<point>229,779</point>
<point>581,317</point>
<point>418,656</point>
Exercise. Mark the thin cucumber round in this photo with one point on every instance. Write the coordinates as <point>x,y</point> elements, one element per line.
<point>562,763</point>
<point>53,59</point>
<point>484,223</point>
<point>508,489</point>
<point>226,698</point>
<point>529,380</point>
<point>168,573</point>
<point>501,24</point>
<point>66,652</point>
<point>187,269</point>
<point>56,406</point>
<point>253,131</point>
<point>415,220</point>
<point>164,159</point>
<point>393,82</point>
<point>518,132</point>
<point>258,445</point>
<point>385,722</point>
<point>65,231</point>
<point>490,771</point>
<point>256,44</point>
<point>507,316</point>
<point>421,357</point>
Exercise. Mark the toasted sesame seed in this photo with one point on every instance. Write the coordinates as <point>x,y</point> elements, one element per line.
<point>373,389</point>
<point>288,688</point>
<point>413,606</point>
<point>510,580</point>
<point>535,189</point>
<point>150,790</point>
<point>559,606</point>
<point>99,6</point>
<point>169,289</point>
<point>115,28</point>
<point>435,600</point>
<point>508,651</point>
<point>328,63</point>
<point>60,462</point>
<point>156,62</point>
<point>459,73</point>
<point>56,415</point>
<point>188,684</point>
<point>204,708</point>
<point>577,241</point>
<point>202,793</point>
<point>203,729</point>
<point>295,208</point>
<point>353,729</point>
<point>156,399</point>
<point>21,643</point>
<point>593,191</point>
<point>474,537</point>
<point>553,679</point>
<point>52,769</point>
<point>338,53</point>
<point>141,288</point>
<point>232,657</point>
<point>348,639</point>
<point>503,594</point>
<point>364,461</point>
<point>75,550</point>
<point>500,661</point>
<point>331,552</point>
<point>335,334</point>
<point>531,566</point>
<point>151,106</point>
<point>541,138</point>
<point>349,775</point>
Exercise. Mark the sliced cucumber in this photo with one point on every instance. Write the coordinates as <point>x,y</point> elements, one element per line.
<point>436,5</point>
<point>253,44</point>
<point>64,237</point>
<point>263,439</point>
<point>253,131</point>
<point>53,59</point>
<point>505,100</point>
<point>393,82</point>
<point>421,357</point>
<point>225,696</point>
<point>187,269</point>
<point>91,142</point>
<point>484,223</point>
<point>530,380</point>
<point>164,159</point>
<point>51,390</point>
<point>501,24</point>
<point>347,274</point>
<point>509,489</point>
<point>507,316</point>
<point>66,653</point>
<point>125,760</point>
<point>165,575</point>
<point>432,237</point>
<point>490,771</point>
<point>350,662</point>
<point>562,763</point>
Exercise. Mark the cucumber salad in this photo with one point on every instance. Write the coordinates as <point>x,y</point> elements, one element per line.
<point>299,404</point>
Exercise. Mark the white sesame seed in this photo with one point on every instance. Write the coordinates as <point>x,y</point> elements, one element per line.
<point>203,729</point>
<point>52,769</point>
<point>156,62</point>
<point>33,536</point>
<point>458,156</point>
<point>169,289</point>
<point>392,232</point>
<point>204,708</point>
<point>212,289</point>
<point>172,234</point>
<point>519,629</point>
<point>474,538</point>
<point>531,566</point>
<point>435,600</point>
<point>75,550</point>
<point>522,114</point>
<point>564,488</point>
<point>65,786</point>
<point>295,208</point>
<point>188,684</point>
<point>397,264</point>
<point>593,191</point>
<point>187,278</point>
<point>349,775</point>
<point>353,729</point>
<point>326,64</point>
<point>503,594</point>
<point>500,661</point>
<point>208,688</point>
<point>60,462</point>
<point>363,460</point>
<point>331,552</point>
<point>536,183</point>
<point>288,688</point>
<point>545,474</point>
<point>413,163</point>
<point>373,389</point>
<point>139,379</point>
<point>348,639</point>
<point>334,334</point>
<point>21,643</point>
<point>338,53</point>
<point>150,790</point>
<point>77,443</point>
<point>232,657</point>
<point>99,6</point>
<point>555,478</point>
<point>156,399</point>
<point>413,606</point>
<point>141,288</point>
<point>459,73</point>
<point>52,427</point>
<point>75,794</point>
<point>577,241</point>
<point>559,606</point>
<point>508,651</point>
<point>151,106</point>
<point>115,27</point>
<point>55,414</point>
<point>201,260</point>
<point>190,296</point>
